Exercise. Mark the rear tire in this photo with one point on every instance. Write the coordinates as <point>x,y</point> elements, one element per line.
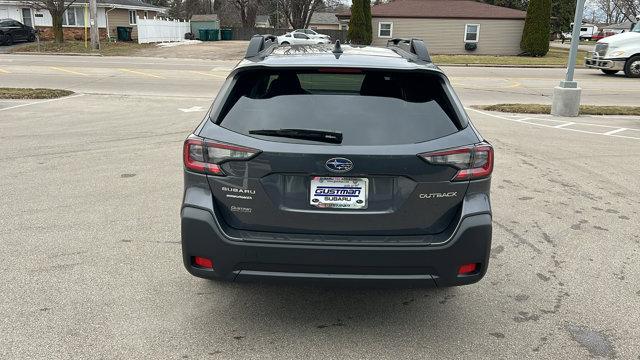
<point>31,38</point>
<point>284,43</point>
<point>632,67</point>
<point>609,72</point>
<point>8,40</point>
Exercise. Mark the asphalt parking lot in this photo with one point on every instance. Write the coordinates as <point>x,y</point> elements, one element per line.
<point>91,264</point>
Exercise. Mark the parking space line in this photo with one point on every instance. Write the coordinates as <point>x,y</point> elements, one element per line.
<point>614,134</point>
<point>207,74</point>
<point>142,73</point>
<point>67,71</point>
<point>4,71</point>
<point>563,125</point>
<point>615,131</point>
<point>41,102</point>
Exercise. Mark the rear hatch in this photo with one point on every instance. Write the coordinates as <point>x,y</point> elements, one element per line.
<point>338,152</point>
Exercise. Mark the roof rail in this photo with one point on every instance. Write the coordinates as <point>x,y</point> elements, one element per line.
<point>260,43</point>
<point>413,46</point>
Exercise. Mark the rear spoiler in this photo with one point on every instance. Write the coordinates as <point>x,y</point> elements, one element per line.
<point>413,46</point>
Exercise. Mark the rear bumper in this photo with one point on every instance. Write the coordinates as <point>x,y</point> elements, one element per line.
<point>430,265</point>
<point>593,62</point>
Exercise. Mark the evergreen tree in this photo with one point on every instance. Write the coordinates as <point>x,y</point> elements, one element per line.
<point>357,24</point>
<point>562,12</point>
<point>537,27</point>
<point>366,8</point>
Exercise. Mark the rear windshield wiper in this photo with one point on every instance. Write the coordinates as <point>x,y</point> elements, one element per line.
<point>331,137</point>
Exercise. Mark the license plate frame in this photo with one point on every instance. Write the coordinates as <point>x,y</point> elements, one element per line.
<point>339,192</point>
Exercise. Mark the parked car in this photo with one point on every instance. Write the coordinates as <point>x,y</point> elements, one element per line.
<point>13,30</point>
<point>356,165</point>
<point>312,33</point>
<point>296,38</point>
<point>620,52</point>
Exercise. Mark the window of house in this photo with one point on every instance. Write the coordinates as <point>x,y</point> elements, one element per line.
<point>146,14</point>
<point>385,29</point>
<point>74,16</point>
<point>471,33</point>
<point>132,17</point>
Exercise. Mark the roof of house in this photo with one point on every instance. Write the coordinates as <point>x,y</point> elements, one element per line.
<point>204,17</point>
<point>262,18</point>
<point>442,9</point>
<point>325,18</point>
<point>621,26</point>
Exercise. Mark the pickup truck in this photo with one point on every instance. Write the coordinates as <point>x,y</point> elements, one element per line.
<point>616,53</point>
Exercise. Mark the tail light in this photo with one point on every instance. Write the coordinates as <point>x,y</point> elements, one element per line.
<point>205,156</point>
<point>473,162</point>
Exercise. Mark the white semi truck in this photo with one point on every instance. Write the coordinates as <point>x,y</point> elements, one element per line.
<point>616,53</point>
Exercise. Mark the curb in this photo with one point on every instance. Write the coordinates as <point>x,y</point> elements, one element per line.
<point>507,66</point>
<point>52,53</point>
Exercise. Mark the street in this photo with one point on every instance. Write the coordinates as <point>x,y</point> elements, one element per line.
<point>90,222</point>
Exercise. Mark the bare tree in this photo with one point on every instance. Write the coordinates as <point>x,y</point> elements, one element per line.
<point>299,12</point>
<point>248,11</point>
<point>56,8</point>
<point>630,9</point>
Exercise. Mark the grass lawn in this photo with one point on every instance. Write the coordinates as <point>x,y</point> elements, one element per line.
<point>107,48</point>
<point>24,93</point>
<point>546,109</point>
<point>555,56</point>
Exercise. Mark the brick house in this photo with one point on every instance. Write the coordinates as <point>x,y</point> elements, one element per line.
<point>111,14</point>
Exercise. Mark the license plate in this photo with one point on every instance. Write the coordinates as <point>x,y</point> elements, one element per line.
<point>339,192</point>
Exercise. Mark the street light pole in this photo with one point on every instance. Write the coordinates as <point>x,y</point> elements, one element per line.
<point>93,21</point>
<point>566,96</point>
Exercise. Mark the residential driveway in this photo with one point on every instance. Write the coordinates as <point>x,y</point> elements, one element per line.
<point>4,49</point>
<point>211,50</point>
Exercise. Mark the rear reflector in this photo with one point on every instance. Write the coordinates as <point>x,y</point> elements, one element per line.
<point>473,162</point>
<point>203,262</point>
<point>467,269</point>
<point>205,156</point>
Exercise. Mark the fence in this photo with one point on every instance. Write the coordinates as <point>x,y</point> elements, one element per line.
<point>160,30</point>
<point>246,33</point>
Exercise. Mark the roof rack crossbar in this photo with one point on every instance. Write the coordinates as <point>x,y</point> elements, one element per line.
<point>260,43</point>
<point>413,46</point>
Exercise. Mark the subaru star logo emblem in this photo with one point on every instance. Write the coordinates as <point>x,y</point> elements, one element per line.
<point>339,165</point>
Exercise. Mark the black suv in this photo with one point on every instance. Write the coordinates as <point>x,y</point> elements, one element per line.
<point>12,31</point>
<point>337,163</point>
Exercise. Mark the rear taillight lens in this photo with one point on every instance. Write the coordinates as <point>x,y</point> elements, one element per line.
<point>205,156</point>
<point>473,162</point>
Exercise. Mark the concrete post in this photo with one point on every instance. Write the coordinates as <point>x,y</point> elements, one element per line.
<point>566,96</point>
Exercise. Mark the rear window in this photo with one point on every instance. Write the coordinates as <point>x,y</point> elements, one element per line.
<point>367,108</point>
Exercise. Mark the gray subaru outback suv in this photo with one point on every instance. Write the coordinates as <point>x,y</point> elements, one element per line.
<point>337,163</point>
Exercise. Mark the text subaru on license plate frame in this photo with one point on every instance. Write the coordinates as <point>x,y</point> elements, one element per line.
<point>331,192</point>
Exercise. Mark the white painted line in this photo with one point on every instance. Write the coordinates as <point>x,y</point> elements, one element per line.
<point>563,125</point>
<point>552,126</point>
<point>615,131</point>
<point>41,102</point>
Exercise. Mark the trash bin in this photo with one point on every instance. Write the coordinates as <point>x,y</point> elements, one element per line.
<point>226,34</point>
<point>212,34</point>
<point>202,35</point>
<point>124,33</point>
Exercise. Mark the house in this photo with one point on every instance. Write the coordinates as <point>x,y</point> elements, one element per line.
<point>111,15</point>
<point>449,26</point>
<point>263,21</point>
<point>324,21</point>
<point>618,28</point>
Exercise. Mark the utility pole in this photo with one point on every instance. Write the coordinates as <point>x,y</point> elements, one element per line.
<point>93,21</point>
<point>566,96</point>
